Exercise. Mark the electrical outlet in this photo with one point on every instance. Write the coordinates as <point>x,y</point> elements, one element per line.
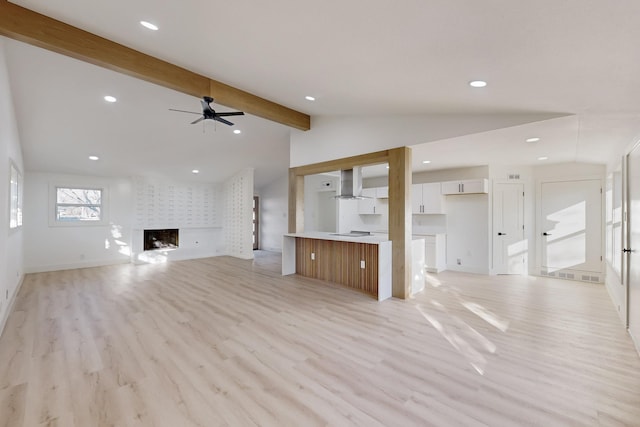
<point>459,261</point>
<point>361,263</point>
<point>313,256</point>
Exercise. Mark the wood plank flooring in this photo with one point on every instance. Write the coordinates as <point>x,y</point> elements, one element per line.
<point>227,342</point>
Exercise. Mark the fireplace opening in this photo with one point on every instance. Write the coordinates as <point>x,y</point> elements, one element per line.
<point>160,239</point>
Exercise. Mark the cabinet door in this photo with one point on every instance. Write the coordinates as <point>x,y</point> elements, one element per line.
<point>432,199</point>
<point>416,198</point>
<point>451,187</point>
<point>382,192</point>
<point>367,205</point>
<point>475,186</point>
<point>430,256</point>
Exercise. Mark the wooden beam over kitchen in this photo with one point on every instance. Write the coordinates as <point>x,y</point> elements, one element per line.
<point>399,160</point>
<point>30,27</point>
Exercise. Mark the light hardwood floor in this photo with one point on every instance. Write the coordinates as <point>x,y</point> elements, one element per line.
<point>226,342</point>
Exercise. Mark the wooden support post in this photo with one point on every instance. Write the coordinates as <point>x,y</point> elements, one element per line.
<point>400,220</point>
<point>296,202</point>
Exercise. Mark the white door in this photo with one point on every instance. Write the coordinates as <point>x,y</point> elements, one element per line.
<point>633,244</point>
<point>571,226</point>
<point>509,245</point>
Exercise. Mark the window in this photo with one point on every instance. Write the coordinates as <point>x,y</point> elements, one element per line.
<point>15,195</point>
<point>614,222</point>
<point>79,205</point>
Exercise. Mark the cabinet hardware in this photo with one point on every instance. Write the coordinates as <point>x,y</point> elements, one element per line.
<point>546,234</point>
<point>625,250</point>
<point>502,234</point>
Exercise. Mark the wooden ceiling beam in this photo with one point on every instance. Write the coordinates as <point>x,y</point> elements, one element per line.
<point>30,27</point>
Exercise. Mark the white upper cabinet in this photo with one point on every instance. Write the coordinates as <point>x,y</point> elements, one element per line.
<point>468,186</point>
<point>382,192</point>
<point>427,199</point>
<point>370,205</point>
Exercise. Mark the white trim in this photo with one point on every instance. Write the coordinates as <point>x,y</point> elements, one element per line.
<point>75,265</point>
<point>11,303</point>
<point>104,214</point>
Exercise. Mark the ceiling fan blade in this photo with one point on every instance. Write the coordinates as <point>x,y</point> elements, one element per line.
<point>221,120</point>
<point>234,113</point>
<point>183,111</point>
<point>197,120</point>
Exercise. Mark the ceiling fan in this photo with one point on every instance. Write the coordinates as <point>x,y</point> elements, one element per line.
<point>209,113</point>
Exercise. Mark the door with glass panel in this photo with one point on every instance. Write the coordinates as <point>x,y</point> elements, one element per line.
<point>632,248</point>
<point>570,226</point>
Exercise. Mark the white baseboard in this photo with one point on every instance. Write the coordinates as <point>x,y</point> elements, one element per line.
<point>10,304</point>
<point>467,269</point>
<point>73,266</point>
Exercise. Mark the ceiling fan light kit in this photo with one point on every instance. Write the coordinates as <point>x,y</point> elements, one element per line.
<point>209,113</point>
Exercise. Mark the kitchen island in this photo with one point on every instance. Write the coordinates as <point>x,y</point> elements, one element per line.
<point>361,262</point>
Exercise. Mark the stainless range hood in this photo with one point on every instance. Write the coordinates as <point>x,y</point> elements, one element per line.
<point>351,184</point>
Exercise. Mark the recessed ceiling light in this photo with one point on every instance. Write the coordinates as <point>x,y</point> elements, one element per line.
<point>149,25</point>
<point>543,158</point>
<point>94,157</point>
<point>237,131</point>
<point>110,98</point>
<point>196,171</point>
<point>535,139</point>
<point>310,98</point>
<point>426,162</point>
<point>477,83</point>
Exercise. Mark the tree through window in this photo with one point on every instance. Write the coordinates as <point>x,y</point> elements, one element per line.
<point>78,204</point>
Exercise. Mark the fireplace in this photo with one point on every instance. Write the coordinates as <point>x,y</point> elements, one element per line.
<point>160,239</point>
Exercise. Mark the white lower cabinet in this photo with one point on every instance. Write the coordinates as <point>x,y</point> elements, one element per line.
<point>435,251</point>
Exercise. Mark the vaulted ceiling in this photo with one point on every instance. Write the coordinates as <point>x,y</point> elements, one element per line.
<point>576,60</point>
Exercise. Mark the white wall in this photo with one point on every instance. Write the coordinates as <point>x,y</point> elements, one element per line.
<point>333,137</point>
<point>452,174</point>
<point>350,219</point>
<point>11,240</point>
<point>238,215</point>
<point>195,209</point>
<point>49,248</point>
<point>274,206</point>
<point>468,233</point>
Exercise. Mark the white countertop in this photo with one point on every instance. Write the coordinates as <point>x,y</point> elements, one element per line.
<point>330,236</point>
<point>373,239</point>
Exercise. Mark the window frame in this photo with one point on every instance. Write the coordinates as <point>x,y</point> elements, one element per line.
<point>53,206</point>
<point>15,194</point>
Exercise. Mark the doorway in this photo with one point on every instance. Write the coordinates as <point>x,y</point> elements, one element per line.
<point>509,244</point>
<point>570,226</point>
<point>256,223</point>
<point>632,248</point>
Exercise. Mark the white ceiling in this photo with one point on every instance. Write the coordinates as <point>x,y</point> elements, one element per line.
<point>573,57</point>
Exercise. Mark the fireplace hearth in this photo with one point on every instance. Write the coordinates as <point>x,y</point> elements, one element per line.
<point>161,239</point>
